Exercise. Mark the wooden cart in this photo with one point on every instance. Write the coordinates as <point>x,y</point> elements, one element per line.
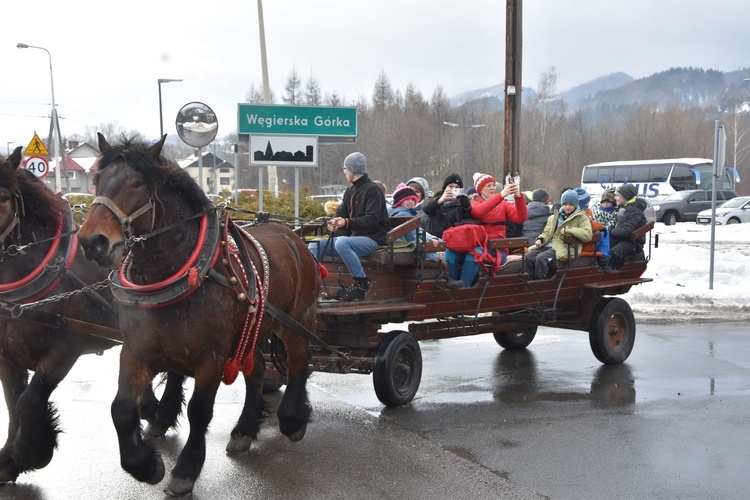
<point>406,289</point>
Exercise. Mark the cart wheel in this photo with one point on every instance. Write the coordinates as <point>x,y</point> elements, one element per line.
<point>398,369</point>
<point>515,340</point>
<point>612,331</point>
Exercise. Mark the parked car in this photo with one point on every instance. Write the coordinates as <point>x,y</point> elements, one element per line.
<point>649,211</point>
<point>684,205</point>
<point>734,211</point>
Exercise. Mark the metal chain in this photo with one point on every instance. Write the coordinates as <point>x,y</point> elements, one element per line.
<point>18,309</point>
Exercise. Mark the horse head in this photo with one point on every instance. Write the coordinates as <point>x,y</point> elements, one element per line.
<point>137,191</point>
<point>123,204</point>
<point>24,201</point>
<point>8,194</point>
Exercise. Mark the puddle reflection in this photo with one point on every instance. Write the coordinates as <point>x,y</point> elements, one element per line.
<point>519,379</point>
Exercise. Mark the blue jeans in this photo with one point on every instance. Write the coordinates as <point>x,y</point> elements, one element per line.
<point>470,269</point>
<point>349,248</point>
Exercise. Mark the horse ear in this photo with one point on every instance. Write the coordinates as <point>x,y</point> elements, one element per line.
<point>15,158</point>
<point>103,144</point>
<point>155,150</point>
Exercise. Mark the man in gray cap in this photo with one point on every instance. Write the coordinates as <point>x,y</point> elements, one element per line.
<point>360,226</point>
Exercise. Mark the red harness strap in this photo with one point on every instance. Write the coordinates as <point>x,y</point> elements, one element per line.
<point>243,357</point>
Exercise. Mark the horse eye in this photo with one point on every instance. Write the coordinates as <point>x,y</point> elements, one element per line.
<point>137,184</point>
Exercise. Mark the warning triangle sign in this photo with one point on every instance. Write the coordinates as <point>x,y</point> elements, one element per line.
<point>36,148</point>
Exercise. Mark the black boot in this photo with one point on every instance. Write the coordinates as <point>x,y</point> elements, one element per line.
<point>355,291</point>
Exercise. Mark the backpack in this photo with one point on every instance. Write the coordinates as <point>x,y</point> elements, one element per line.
<point>466,238</point>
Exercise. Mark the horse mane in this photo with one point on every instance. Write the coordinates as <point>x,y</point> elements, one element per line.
<point>41,208</point>
<point>156,170</point>
<point>161,171</point>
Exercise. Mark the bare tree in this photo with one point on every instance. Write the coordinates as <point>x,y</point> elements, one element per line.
<point>313,95</point>
<point>255,95</point>
<point>292,89</point>
<point>333,99</point>
<point>382,95</point>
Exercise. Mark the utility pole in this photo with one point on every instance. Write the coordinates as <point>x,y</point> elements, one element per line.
<point>513,85</point>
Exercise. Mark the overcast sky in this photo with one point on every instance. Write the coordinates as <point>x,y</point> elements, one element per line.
<point>107,56</point>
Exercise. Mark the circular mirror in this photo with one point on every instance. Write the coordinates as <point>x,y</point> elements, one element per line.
<point>197,124</point>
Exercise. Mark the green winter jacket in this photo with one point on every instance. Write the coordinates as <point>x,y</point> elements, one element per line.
<point>577,224</point>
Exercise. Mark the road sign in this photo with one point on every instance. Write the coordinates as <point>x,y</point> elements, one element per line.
<point>36,147</point>
<point>37,165</point>
<point>284,151</point>
<point>270,119</point>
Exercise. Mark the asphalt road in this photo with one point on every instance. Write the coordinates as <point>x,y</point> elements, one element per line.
<point>550,422</point>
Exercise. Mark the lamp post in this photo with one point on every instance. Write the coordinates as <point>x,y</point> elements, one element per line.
<point>464,155</point>
<point>55,121</point>
<point>161,119</point>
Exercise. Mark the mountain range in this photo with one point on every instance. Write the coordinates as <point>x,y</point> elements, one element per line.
<point>681,87</point>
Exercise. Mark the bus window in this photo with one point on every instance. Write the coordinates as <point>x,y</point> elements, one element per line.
<point>640,174</point>
<point>659,173</point>
<point>590,175</point>
<point>623,174</point>
<point>682,178</point>
<point>606,175</point>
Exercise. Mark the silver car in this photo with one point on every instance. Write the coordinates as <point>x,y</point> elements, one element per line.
<point>734,211</point>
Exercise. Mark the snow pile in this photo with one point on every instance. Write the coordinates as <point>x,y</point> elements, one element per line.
<point>680,269</point>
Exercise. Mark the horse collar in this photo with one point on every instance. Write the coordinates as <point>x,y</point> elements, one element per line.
<point>181,284</point>
<point>49,272</point>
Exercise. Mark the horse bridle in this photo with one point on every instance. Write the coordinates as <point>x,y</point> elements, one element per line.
<point>13,225</point>
<point>124,219</point>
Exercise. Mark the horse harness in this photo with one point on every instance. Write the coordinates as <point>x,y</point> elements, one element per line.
<point>220,240</point>
<point>52,268</point>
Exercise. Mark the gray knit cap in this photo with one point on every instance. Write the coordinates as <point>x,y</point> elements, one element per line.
<point>627,191</point>
<point>356,163</point>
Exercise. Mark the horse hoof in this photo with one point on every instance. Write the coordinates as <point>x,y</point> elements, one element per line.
<point>239,444</point>
<point>297,435</point>
<point>159,472</point>
<point>179,486</point>
<point>154,432</point>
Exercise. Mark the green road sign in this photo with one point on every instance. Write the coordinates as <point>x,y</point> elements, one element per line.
<point>270,119</point>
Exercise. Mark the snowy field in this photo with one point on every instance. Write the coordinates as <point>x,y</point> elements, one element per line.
<point>680,269</point>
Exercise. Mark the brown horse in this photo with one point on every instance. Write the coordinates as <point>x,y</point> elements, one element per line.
<point>40,258</point>
<point>181,306</point>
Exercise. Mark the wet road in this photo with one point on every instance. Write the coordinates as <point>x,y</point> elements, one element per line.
<point>551,422</point>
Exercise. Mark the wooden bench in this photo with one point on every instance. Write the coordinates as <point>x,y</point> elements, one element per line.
<point>573,242</point>
<point>388,255</point>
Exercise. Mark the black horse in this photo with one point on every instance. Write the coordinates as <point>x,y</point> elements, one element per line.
<point>40,259</point>
<point>191,303</point>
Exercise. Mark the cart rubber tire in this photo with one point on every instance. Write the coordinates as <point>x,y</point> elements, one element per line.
<point>398,369</point>
<point>612,331</point>
<point>515,340</point>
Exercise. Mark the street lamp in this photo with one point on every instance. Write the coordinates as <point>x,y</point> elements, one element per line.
<point>161,119</point>
<point>55,121</point>
<point>464,155</point>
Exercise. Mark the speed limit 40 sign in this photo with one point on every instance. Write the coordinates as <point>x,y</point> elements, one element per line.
<point>37,165</point>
